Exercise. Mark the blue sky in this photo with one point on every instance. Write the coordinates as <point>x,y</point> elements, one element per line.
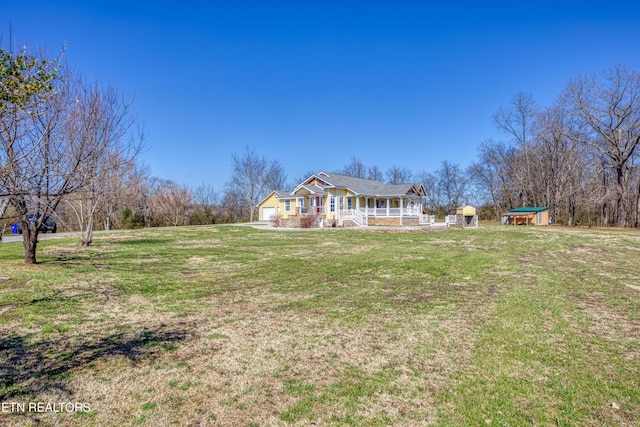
<point>313,83</point>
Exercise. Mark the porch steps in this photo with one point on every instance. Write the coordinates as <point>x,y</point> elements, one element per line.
<point>359,218</point>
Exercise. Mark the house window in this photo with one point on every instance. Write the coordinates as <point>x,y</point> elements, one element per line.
<point>332,203</point>
<point>341,203</point>
<point>349,203</point>
<point>287,205</point>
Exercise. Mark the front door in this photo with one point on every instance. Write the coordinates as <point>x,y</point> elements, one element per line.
<point>316,204</point>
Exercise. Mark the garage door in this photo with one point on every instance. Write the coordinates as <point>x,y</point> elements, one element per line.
<point>268,213</point>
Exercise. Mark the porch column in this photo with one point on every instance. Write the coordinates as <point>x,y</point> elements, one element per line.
<point>387,206</point>
<point>401,210</point>
<point>357,203</point>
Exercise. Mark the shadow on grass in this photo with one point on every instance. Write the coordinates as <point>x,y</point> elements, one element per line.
<point>60,299</point>
<point>28,367</point>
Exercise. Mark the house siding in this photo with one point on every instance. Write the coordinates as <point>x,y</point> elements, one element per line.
<point>270,202</point>
<point>337,193</point>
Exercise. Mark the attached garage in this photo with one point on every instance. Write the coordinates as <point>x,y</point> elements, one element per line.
<point>271,206</point>
<point>267,213</point>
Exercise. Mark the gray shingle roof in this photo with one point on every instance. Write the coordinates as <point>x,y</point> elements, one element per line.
<point>366,187</point>
<point>282,194</point>
<point>360,186</point>
<point>313,189</point>
<point>357,185</point>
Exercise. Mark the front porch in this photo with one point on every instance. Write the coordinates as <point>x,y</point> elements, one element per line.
<point>361,217</point>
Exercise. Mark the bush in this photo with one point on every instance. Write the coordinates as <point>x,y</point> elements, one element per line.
<point>131,219</point>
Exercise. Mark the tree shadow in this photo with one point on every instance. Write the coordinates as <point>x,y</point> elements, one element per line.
<point>58,299</point>
<point>29,365</point>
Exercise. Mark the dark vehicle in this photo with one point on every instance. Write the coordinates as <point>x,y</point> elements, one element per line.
<point>48,225</point>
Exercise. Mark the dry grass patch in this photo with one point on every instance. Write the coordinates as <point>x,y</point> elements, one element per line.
<point>243,327</point>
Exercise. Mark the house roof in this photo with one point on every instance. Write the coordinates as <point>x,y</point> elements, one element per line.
<point>370,187</point>
<point>277,193</point>
<point>284,194</point>
<point>528,209</point>
<point>313,189</point>
<point>358,186</point>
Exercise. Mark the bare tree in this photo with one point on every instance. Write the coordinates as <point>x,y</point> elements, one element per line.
<point>206,194</point>
<point>355,168</point>
<point>430,182</point>
<point>121,183</point>
<point>452,182</point>
<point>558,163</point>
<point>301,178</point>
<point>41,156</point>
<point>398,175</point>
<point>375,173</point>
<point>170,202</point>
<point>25,82</point>
<point>103,117</point>
<point>518,121</point>
<point>610,106</point>
<point>234,205</point>
<point>253,178</point>
<point>207,201</point>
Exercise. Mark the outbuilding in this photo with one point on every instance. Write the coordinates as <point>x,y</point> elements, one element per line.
<point>466,216</point>
<point>526,215</point>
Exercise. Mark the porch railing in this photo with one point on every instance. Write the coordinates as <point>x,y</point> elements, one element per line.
<point>366,212</point>
<point>391,212</point>
<point>427,219</point>
<point>319,210</point>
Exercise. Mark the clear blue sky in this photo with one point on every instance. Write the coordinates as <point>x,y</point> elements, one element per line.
<point>313,83</point>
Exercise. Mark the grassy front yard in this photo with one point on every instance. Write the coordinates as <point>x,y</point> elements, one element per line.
<point>505,326</point>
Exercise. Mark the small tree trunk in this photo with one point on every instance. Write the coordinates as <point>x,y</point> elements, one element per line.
<point>88,235</point>
<point>621,209</point>
<point>3,207</point>
<point>30,241</point>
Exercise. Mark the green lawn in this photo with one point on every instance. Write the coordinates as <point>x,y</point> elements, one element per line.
<point>505,326</point>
